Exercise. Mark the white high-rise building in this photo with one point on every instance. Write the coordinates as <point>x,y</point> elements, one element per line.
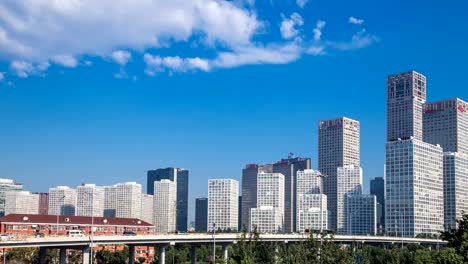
<point>110,201</point>
<point>7,185</point>
<point>21,202</point>
<point>361,214</point>
<point>147,207</point>
<point>62,201</point>
<point>455,188</point>
<point>268,217</point>
<point>414,188</point>
<point>223,204</point>
<point>165,205</point>
<point>311,204</point>
<point>349,181</point>
<point>128,200</point>
<point>90,200</point>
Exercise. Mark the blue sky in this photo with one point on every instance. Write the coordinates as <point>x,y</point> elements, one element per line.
<point>206,85</point>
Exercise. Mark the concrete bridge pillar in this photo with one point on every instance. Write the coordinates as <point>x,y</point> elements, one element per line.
<point>193,255</point>
<point>225,253</point>
<point>162,254</point>
<point>63,256</point>
<point>86,255</point>
<point>131,254</point>
<point>42,255</point>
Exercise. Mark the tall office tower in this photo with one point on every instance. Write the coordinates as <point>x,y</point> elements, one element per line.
<point>349,182</point>
<point>147,206</point>
<point>311,206</point>
<point>289,168</point>
<point>406,94</point>
<point>7,185</point>
<point>268,217</point>
<point>43,203</point>
<point>455,188</point>
<point>165,204</point>
<point>181,177</point>
<point>89,200</point>
<point>201,214</point>
<point>361,214</point>
<point>239,214</point>
<point>377,188</point>
<point>338,146</point>
<point>128,200</point>
<point>223,201</point>
<point>62,201</point>
<point>110,201</point>
<point>446,123</point>
<point>249,189</point>
<point>21,202</point>
<point>414,188</point>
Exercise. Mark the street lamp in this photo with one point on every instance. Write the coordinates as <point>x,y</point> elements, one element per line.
<point>91,234</point>
<point>214,242</point>
<point>58,214</point>
<point>321,176</point>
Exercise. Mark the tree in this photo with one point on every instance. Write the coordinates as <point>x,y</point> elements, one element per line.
<point>458,238</point>
<point>449,256</point>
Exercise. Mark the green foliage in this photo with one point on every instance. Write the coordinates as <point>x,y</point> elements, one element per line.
<point>458,239</point>
<point>449,256</point>
<point>109,257</point>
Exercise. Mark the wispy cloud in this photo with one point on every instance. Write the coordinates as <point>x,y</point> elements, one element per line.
<point>301,3</point>
<point>24,69</point>
<point>290,26</point>
<point>359,40</point>
<point>121,57</point>
<point>2,76</point>
<point>355,21</point>
<point>318,30</point>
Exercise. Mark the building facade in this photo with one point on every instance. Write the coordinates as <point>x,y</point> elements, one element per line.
<point>446,123</point>
<point>147,207</point>
<point>43,203</point>
<point>414,188</point>
<point>361,215</point>
<point>349,182</point>
<point>165,204</point>
<point>89,200</point>
<point>223,201</point>
<point>339,145</point>
<point>62,201</point>
<point>110,201</point>
<point>268,217</point>
<point>201,214</point>
<point>377,188</point>
<point>128,200</point>
<point>249,189</point>
<point>455,188</point>
<point>181,177</point>
<point>7,185</point>
<point>21,202</point>
<point>311,206</point>
<point>406,95</point>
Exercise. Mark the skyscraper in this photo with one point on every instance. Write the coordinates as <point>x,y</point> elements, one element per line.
<point>223,201</point>
<point>249,189</point>
<point>110,201</point>
<point>43,203</point>
<point>414,188</point>
<point>128,200</point>
<point>201,214</point>
<point>62,201</point>
<point>406,94</point>
<point>165,204</point>
<point>89,200</point>
<point>181,177</point>
<point>339,145</point>
<point>289,168</point>
<point>446,123</point>
<point>455,188</point>
<point>21,202</point>
<point>361,214</point>
<point>269,214</point>
<point>349,182</point>
<point>147,207</point>
<point>7,185</point>
<point>311,203</point>
<point>377,188</point>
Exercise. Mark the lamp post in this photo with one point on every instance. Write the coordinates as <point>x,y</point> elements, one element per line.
<point>91,234</point>
<point>321,176</point>
<point>58,214</point>
<point>214,242</point>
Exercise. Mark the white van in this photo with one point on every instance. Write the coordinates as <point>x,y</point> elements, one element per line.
<point>75,233</point>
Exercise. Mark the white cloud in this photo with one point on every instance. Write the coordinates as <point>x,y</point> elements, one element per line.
<point>24,69</point>
<point>359,40</point>
<point>2,76</point>
<point>301,3</point>
<point>155,64</point>
<point>121,57</point>
<point>289,26</point>
<point>65,60</point>
<point>355,21</point>
<point>318,29</point>
<point>37,31</point>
